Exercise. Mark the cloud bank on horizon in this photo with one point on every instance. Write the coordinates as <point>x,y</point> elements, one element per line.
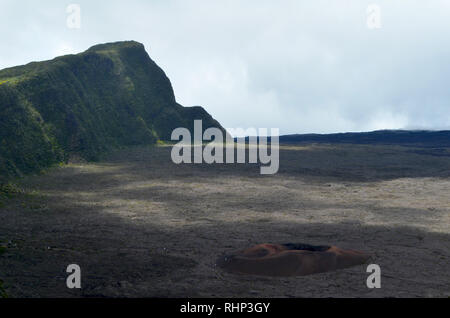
<point>301,66</point>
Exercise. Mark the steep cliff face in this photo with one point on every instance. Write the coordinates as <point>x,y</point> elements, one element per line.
<point>112,95</point>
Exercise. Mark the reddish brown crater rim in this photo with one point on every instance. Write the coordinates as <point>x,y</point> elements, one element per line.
<point>290,259</point>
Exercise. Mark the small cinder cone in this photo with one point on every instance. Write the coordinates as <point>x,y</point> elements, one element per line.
<point>290,260</point>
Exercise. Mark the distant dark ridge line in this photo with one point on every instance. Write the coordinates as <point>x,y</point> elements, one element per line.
<point>429,138</point>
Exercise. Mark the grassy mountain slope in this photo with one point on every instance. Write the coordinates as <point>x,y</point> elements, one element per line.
<point>110,96</point>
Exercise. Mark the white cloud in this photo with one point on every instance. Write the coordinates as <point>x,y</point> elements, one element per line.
<point>63,49</point>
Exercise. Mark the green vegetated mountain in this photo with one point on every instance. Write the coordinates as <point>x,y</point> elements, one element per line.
<point>110,96</point>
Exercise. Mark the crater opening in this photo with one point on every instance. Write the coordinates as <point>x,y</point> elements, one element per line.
<point>306,247</point>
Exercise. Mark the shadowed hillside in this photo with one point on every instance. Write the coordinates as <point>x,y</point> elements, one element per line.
<point>110,96</point>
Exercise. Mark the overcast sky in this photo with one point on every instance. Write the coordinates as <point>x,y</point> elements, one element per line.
<point>301,66</point>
